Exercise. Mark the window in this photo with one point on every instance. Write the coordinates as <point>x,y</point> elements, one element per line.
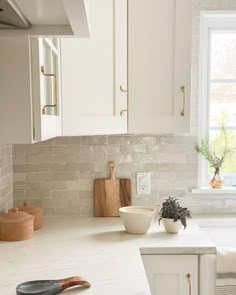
<point>218,89</point>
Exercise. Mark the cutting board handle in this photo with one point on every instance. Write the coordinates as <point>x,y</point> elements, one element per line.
<point>112,166</point>
<point>73,281</point>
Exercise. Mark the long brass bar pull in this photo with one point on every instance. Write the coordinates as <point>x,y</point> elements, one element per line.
<point>184,98</point>
<point>188,276</point>
<point>55,91</point>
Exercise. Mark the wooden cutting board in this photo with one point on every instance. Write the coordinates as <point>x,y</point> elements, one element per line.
<point>111,194</point>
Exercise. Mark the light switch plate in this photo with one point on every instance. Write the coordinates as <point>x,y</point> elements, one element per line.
<point>143,183</point>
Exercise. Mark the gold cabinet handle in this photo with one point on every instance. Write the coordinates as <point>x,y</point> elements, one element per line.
<point>122,89</point>
<point>122,113</point>
<point>55,90</point>
<point>188,276</point>
<point>184,98</point>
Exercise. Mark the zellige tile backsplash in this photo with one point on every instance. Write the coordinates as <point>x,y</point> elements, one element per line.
<point>58,174</point>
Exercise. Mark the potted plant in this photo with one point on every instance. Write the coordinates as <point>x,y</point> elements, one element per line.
<point>173,215</point>
<point>215,156</point>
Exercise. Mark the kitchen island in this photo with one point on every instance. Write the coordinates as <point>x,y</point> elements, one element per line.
<point>98,249</point>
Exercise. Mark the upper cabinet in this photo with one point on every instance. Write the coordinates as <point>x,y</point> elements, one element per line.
<point>78,86</point>
<point>159,53</point>
<point>94,73</point>
<point>46,87</point>
<point>43,17</point>
<point>30,89</point>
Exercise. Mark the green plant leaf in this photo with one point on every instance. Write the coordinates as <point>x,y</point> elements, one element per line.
<point>172,209</point>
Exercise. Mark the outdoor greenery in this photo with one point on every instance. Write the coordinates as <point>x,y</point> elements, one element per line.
<point>218,150</point>
<point>211,153</point>
<point>229,164</point>
<point>217,140</point>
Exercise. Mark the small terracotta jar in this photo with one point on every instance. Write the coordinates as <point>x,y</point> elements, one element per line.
<point>16,226</point>
<point>37,212</point>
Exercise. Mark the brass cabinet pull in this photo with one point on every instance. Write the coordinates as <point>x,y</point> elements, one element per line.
<point>183,110</point>
<point>55,90</point>
<point>188,276</point>
<point>122,89</point>
<point>123,112</point>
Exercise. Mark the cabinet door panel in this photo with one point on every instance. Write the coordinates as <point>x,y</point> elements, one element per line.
<point>46,90</point>
<point>159,65</point>
<point>167,284</point>
<point>92,72</point>
<point>15,96</point>
<point>23,93</point>
<point>167,274</point>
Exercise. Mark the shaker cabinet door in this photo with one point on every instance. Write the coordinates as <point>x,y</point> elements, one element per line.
<point>159,65</point>
<point>94,73</point>
<point>30,90</point>
<point>46,87</point>
<point>172,274</point>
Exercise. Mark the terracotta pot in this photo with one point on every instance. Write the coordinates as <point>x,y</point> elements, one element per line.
<point>37,212</point>
<point>171,226</point>
<point>16,226</point>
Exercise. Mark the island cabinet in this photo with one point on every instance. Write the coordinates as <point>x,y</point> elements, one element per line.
<point>94,73</point>
<point>172,274</point>
<point>30,89</point>
<point>159,67</point>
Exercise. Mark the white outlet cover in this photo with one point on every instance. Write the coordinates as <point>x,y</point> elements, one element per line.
<point>143,183</point>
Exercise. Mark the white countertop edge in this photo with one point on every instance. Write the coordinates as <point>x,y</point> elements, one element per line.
<point>177,250</point>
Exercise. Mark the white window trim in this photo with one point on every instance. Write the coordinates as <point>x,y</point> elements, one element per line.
<point>225,20</point>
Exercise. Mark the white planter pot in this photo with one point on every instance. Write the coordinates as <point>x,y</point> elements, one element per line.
<point>171,226</point>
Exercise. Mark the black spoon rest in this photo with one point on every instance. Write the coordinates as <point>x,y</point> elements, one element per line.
<point>49,287</point>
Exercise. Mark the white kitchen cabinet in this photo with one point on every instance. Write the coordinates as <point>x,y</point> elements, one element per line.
<point>30,89</point>
<point>159,66</point>
<point>172,274</point>
<point>94,73</point>
<point>46,87</point>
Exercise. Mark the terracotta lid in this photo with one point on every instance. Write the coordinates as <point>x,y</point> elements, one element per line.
<point>30,208</point>
<point>15,216</point>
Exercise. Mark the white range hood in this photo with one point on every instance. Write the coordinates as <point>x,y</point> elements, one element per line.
<point>11,16</point>
<point>44,17</point>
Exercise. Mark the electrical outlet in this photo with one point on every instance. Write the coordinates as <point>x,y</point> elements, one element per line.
<point>143,183</point>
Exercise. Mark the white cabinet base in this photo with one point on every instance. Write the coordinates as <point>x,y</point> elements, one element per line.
<point>167,274</point>
<point>207,274</point>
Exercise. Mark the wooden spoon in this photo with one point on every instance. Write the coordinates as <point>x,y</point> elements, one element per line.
<point>49,287</point>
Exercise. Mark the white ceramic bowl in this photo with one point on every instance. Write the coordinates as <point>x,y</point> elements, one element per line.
<point>137,219</point>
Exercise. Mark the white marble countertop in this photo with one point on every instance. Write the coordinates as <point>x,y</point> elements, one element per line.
<point>97,249</point>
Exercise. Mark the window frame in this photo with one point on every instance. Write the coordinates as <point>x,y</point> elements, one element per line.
<point>209,21</point>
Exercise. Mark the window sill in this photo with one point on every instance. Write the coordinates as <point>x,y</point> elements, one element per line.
<point>230,190</point>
